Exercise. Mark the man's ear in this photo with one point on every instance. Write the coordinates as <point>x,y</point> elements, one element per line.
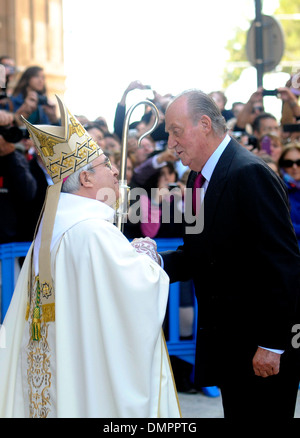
<point>84,179</point>
<point>205,122</point>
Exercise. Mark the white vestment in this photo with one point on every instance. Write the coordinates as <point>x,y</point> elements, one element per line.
<point>104,355</point>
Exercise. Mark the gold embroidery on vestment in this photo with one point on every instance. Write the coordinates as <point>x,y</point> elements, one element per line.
<point>39,377</point>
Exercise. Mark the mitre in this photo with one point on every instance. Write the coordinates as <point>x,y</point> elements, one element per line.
<point>63,149</point>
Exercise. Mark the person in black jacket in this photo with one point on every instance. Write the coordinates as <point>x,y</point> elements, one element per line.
<point>159,134</point>
<point>17,188</point>
<point>36,204</point>
<point>245,265</point>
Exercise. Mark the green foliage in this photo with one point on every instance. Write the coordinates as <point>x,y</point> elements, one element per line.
<point>291,30</point>
<point>236,48</point>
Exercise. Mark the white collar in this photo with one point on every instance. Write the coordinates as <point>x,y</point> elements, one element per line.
<point>71,210</point>
<point>211,163</point>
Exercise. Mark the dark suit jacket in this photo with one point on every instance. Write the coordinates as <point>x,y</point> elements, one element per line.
<point>245,265</point>
<point>36,204</point>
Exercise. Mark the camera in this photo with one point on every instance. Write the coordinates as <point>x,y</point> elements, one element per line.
<point>252,141</point>
<point>172,186</point>
<point>249,141</point>
<point>239,134</point>
<point>294,127</point>
<point>13,134</point>
<point>43,100</point>
<point>270,92</point>
<point>3,94</point>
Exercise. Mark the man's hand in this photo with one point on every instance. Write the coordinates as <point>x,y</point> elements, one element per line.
<point>6,118</point>
<point>167,155</point>
<point>29,105</point>
<point>256,97</point>
<point>266,363</point>
<point>287,95</point>
<point>31,102</point>
<point>50,110</point>
<point>132,86</point>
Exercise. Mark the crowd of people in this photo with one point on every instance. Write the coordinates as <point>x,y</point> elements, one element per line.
<point>152,166</point>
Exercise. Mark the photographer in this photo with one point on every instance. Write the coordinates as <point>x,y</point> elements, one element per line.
<point>250,111</point>
<point>290,114</point>
<point>159,134</point>
<point>29,98</point>
<point>287,96</point>
<point>254,108</point>
<point>17,187</point>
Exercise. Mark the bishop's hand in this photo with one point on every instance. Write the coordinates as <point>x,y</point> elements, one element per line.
<point>145,245</point>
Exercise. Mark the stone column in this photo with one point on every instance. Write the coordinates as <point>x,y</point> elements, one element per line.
<point>31,32</point>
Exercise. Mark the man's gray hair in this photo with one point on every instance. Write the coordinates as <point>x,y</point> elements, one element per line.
<point>72,183</point>
<point>199,104</point>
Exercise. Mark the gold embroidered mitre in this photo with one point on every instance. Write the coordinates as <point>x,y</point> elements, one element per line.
<point>63,149</point>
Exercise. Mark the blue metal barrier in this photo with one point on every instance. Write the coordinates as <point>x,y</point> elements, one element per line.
<point>184,349</point>
<point>8,253</point>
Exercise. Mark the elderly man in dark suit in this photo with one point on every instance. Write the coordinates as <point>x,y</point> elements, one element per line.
<point>245,265</point>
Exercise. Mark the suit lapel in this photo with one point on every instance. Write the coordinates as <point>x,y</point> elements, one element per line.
<point>191,179</point>
<point>216,184</point>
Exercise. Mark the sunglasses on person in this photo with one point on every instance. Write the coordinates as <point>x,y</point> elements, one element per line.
<point>290,163</point>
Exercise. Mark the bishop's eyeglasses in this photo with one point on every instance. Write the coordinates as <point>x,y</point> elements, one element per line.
<point>106,163</point>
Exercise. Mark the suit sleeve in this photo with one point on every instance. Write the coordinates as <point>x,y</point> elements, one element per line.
<point>176,265</point>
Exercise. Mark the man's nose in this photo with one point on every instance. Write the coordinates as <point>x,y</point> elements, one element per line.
<point>115,171</point>
<point>171,142</point>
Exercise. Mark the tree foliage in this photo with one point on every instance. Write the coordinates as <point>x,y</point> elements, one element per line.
<point>291,30</point>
